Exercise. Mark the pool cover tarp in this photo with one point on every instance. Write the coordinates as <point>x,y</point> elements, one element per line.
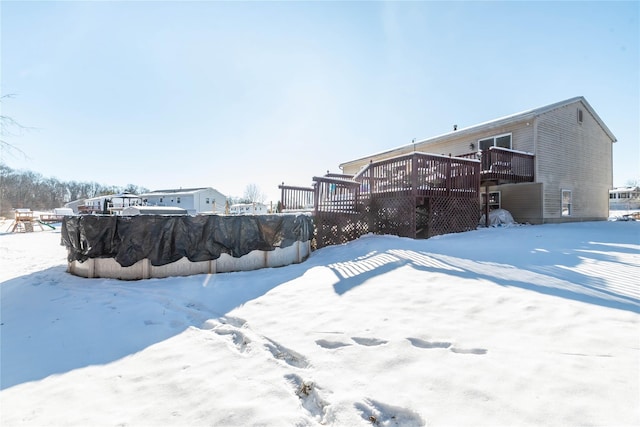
<point>166,239</point>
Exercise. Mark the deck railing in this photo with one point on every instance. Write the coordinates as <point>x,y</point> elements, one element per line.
<point>421,174</point>
<point>416,174</point>
<point>502,164</point>
<point>336,194</point>
<point>294,198</point>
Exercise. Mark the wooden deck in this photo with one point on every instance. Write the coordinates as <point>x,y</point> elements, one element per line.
<point>502,166</point>
<point>414,195</point>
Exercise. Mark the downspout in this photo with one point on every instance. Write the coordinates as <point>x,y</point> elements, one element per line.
<point>535,148</point>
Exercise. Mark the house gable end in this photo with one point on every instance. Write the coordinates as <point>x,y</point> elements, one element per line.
<point>470,131</point>
<point>583,102</point>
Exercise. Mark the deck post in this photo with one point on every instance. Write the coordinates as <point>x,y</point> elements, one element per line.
<point>316,198</point>
<point>486,205</point>
<point>414,176</point>
<point>448,176</point>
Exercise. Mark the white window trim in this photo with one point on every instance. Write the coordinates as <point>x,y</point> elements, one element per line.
<point>562,205</point>
<point>494,137</point>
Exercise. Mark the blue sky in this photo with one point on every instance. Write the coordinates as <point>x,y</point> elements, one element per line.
<point>226,94</point>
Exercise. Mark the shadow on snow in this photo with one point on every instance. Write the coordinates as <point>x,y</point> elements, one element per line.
<point>53,322</point>
<point>577,270</point>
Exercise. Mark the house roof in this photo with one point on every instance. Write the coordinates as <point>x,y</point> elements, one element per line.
<point>502,121</point>
<point>173,192</point>
<point>178,190</point>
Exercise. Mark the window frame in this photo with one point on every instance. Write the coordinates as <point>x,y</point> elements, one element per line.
<point>495,200</point>
<point>494,138</point>
<point>564,205</point>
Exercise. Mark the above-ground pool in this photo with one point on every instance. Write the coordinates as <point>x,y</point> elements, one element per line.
<point>145,246</point>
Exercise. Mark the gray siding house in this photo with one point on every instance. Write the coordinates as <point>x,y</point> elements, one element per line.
<point>193,200</point>
<point>572,151</point>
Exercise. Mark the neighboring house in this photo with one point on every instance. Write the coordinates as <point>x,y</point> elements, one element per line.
<point>74,205</point>
<point>572,161</point>
<point>109,203</point>
<point>248,209</point>
<point>193,200</point>
<point>625,198</point>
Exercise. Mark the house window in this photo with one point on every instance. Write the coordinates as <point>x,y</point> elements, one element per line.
<point>206,200</point>
<point>160,199</point>
<point>567,205</point>
<point>178,199</point>
<point>579,115</point>
<point>503,141</point>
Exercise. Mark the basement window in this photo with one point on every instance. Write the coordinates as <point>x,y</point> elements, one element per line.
<point>567,204</point>
<point>494,200</point>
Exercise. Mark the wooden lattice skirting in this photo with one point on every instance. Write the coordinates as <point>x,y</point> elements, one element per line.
<point>405,216</point>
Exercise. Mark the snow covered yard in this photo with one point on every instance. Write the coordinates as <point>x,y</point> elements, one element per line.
<point>531,325</point>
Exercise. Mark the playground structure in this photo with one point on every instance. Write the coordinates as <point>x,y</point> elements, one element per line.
<point>24,222</point>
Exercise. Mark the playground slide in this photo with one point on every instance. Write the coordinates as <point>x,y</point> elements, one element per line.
<point>44,223</point>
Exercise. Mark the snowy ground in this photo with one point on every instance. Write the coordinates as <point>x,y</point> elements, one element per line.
<point>530,325</point>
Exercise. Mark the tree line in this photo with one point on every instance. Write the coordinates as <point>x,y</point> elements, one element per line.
<point>27,189</point>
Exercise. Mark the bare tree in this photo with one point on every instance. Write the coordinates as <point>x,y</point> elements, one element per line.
<point>9,127</point>
<point>27,189</point>
<point>135,189</point>
<point>633,182</point>
<point>253,194</point>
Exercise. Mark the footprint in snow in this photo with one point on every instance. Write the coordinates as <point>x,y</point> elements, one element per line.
<point>469,350</point>
<point>233,321</point>
<point>369,342</point>
<point>224,320</point>
<point>239,340</point>
<point>417,342</point>
<point>382,414</point>
<point>281,352</point>
<point>331,344</point>
<point>310,397</point>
